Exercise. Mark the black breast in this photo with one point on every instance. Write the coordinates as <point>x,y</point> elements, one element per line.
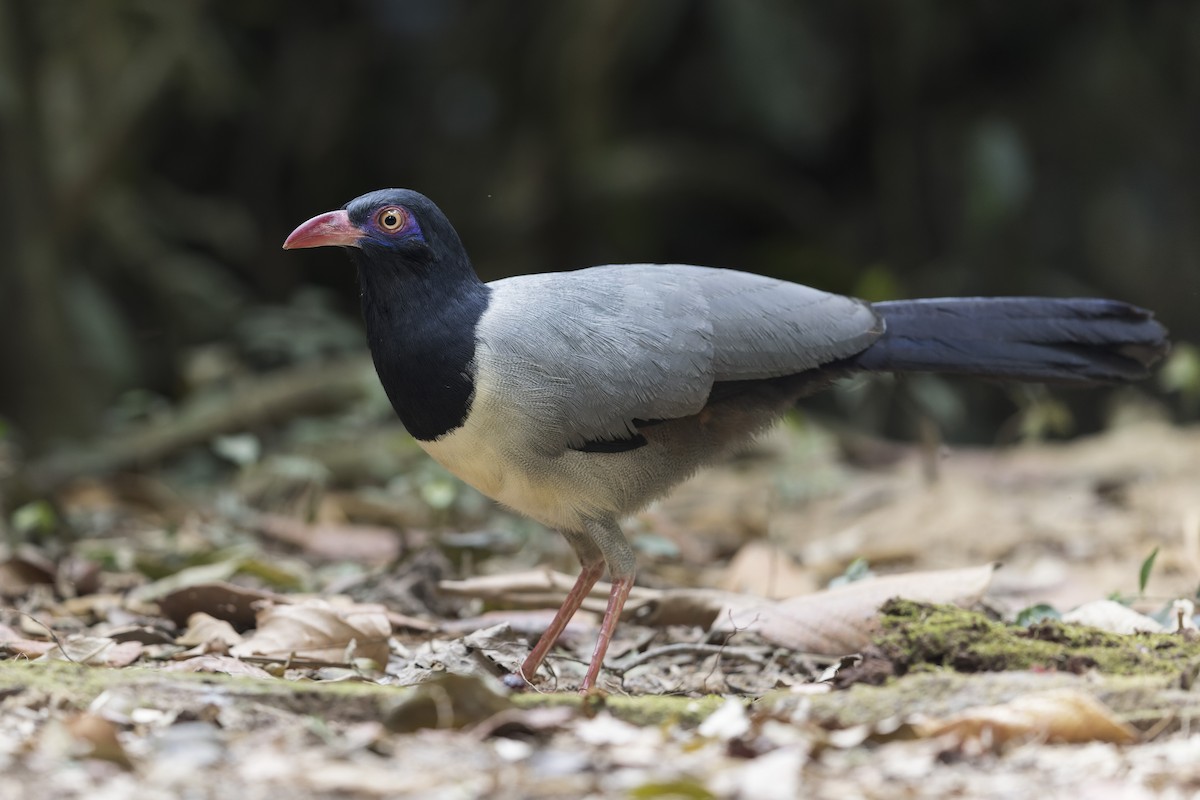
<point>422,339</point>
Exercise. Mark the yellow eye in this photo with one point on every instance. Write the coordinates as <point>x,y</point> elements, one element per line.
<point>391,219</point>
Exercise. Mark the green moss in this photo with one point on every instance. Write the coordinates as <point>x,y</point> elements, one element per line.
<point>917,636</point>
<point>74,686</point>
<point>637,710</point>
<point>1143,701</point>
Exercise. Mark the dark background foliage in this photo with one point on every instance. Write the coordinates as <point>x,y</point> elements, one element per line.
<point>153,156</point>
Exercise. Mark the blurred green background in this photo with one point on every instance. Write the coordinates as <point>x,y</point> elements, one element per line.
<point>154,155</point>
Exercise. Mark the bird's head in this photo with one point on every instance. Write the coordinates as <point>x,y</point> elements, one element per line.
<point>387,224</point>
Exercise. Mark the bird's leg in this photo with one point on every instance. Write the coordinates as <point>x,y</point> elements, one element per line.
<point>622,567</point>
<point>593,567</point>
<point>612,615</point>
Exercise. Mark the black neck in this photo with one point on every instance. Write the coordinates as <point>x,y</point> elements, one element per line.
<point>421,320</point>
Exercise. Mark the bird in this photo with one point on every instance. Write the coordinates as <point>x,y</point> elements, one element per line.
<point>577,398</point>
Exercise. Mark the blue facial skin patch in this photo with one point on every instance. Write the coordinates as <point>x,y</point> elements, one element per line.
<point>364,214</point>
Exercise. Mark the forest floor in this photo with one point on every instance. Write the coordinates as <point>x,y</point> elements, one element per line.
<point>331,619</point>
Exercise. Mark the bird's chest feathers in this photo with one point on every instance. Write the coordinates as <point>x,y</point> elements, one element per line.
<point>492,452</point>
<point>424,357</point>
<point>469,452</point>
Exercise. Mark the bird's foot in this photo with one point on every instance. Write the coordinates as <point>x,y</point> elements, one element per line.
<point>593,696</point>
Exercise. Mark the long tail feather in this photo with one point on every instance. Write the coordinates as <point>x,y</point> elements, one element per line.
<point>1078,341</point>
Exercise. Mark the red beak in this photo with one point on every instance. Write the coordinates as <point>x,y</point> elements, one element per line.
<point>332,228</point>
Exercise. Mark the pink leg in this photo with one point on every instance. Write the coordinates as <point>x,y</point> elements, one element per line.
<point>612,615</point>
<point>583,584</point>
<point>600,544</point>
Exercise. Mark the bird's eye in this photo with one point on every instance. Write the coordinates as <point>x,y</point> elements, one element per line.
<point>391,219</point>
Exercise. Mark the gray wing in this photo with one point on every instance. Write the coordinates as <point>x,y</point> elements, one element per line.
<point>586,353</point>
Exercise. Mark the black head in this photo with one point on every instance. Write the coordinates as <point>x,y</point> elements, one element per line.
<point>402,222</point>
<point>421,301</point>
<point>388,225</point>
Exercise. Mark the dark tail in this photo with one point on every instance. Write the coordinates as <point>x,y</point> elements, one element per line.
<point>1018,338</point>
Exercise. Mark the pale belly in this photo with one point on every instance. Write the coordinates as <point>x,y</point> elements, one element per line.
<point>518,459</point>
<point>534,486</point>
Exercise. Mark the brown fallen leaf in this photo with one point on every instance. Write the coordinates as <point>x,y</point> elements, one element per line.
<point>537,588</point>
<point>97,651</point>
<point>698,607</point>
<point>140,494</point>
<point>235,604</point>
<point>100,605</point>
<point>13,643</point>
<point>497,587</point>
<point>222,665</point>
<point>843,619</point>
<point>188,577</point>
<point>344,541</point>
<point>93,736</point>
<point>522,621</point>
<point>23,571</point>
<point>318,630</point>
<point>1062,716</point>
<point>760,567</point>
<point>399,620</point>
<point>34,626</point>
<point>143,634</point>
<point>122,654</point>
<point>216,635</point>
